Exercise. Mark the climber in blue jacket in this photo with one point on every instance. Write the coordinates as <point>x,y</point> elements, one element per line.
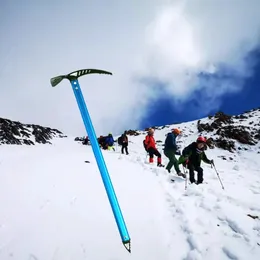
<point>170,149</point>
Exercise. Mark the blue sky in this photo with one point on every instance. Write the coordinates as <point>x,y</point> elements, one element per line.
<point>162,111</point>
<point>163,55</point>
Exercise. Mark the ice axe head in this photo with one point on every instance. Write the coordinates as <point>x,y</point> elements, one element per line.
<point>56,80</point>
<point>76,74</point>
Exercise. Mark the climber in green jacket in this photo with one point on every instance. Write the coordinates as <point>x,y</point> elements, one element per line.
<point>192,155</point>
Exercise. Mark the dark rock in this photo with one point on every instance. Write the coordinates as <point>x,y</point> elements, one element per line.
<point>225,144</point>
<point>14,132</point>
<point>210,143</point>
<point>80,139</point>
<point>132,132</point>
<point>257,135</point>
<point>28,142</point>
<point>204,127</point>
<point>242,117</point>
<point>221,117</point>
<point>238,133</point>
<point>226,129</point>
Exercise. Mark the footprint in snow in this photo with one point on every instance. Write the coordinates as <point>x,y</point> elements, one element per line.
<point>238,232</point>
<point>229,253</point>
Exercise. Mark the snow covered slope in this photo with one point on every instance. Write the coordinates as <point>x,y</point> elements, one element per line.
<point>54,206</point>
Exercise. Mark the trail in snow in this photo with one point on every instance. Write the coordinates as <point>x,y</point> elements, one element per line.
<point>54,206</point>
<point>213,223</point>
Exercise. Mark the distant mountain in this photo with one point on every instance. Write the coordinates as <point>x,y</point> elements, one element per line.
<point>13,132</point>
<point>228,132</point>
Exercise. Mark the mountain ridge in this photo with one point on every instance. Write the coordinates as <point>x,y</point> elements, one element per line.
<point>227,132</point>
<point>17,133</point>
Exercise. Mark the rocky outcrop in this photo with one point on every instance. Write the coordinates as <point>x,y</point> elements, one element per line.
<point>13,132</point>
<point>225,144</point>
<point>79,139</point>
<point>239,133</point>
<point>132,132</point>
<point>225,130</point>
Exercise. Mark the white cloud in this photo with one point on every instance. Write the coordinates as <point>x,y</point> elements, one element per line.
<point>159,41</point>
<point>190,37</point>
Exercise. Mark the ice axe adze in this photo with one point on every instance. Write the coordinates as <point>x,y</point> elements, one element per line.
<point>73,78</point>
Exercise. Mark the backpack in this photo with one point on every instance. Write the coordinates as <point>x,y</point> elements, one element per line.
<point>144,145</point>
<point>168,141</point>
<point>120,140</point>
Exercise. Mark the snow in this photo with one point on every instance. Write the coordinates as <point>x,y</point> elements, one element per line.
<point>54,205</point>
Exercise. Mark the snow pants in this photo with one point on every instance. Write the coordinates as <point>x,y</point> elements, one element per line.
<point>170,154</point>
<point>124,147</point>
<point>198,169</point>
<point>152,151</point>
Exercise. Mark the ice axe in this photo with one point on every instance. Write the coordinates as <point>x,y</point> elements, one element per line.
<point>73,78</point>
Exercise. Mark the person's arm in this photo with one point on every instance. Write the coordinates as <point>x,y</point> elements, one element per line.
<point>205,159</point>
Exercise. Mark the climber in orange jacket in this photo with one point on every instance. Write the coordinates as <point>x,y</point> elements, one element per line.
<point>150,147</point>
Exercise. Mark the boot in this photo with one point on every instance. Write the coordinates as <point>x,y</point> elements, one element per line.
<point>181,175</point>
<point>159,162</point>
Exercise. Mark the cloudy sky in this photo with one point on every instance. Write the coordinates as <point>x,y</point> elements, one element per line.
<point>156,50</point>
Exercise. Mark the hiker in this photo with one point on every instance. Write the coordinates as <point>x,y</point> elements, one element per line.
<point>170,149</point>
<point>123,140</point>
<point>85,141</point>
<point>109,142</point>
<point>102,142</point>
<point>150,147</point>
<point>192,156</point>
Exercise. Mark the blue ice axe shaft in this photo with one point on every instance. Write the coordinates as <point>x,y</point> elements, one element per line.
<point>97,152</point>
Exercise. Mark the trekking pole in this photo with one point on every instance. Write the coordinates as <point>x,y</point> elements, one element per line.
<point>186,179</point>
<point>218,176</point>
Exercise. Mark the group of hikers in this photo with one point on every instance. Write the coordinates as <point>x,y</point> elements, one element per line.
<point>105,142</point>
<point>190,158</point>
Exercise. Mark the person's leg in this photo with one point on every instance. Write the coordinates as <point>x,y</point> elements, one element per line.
<point>159,157</point>
<point>151,153</point>
<point>191,173</point>
<point>200,174</point>
<point>167,153</point>
<point>172,161</point>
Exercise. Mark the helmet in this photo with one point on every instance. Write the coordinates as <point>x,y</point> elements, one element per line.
<point>176,131</point>
<point>201,139</point>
